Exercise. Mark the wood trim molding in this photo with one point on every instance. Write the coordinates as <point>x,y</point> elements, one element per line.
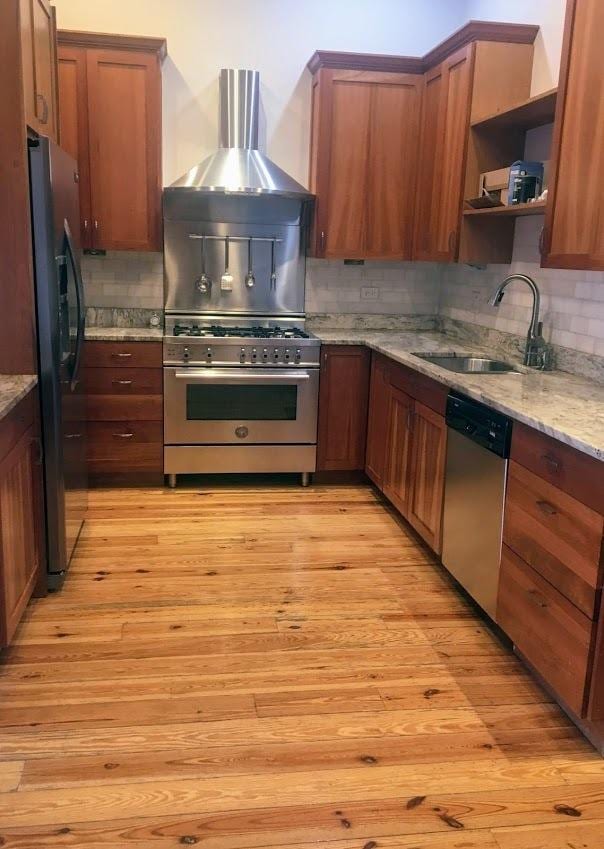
<point>112,41</point>
<point>472,31</point>
<point>343,60</point>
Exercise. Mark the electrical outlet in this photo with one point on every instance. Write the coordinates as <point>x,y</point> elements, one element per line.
<point>370,293</point>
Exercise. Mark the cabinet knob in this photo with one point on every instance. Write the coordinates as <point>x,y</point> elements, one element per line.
<point>85,224</point>
<point>323,240</point>
<point>96,224</point>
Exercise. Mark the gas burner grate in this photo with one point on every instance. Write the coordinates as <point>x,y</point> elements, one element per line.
<point>218,331</point>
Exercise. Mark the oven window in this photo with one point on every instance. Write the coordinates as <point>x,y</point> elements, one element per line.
<point>241,403</point>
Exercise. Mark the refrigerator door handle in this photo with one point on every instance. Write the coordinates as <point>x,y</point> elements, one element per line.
<point>79,286</point>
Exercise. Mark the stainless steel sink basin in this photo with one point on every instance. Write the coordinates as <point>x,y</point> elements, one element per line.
<point>468,364</point>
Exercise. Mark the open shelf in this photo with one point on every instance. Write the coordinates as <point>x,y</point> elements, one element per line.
<point>527,115</point>
<point>515,211</point>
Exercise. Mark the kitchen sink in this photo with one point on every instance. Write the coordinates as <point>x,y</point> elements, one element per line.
<point>468,364</point>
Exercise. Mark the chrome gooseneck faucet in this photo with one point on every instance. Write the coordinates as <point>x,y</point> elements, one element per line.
<point>536,354</point>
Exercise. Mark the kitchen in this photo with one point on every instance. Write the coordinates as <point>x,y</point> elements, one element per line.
<point>302,424</point>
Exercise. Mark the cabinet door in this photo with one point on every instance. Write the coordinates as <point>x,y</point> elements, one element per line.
<point>343,408</point>
<point>19,555</point>
<point>377,421</point>
<point>443,141</point>
<point>364,144</point>
<point>346,218</point>
<point>397,477</point>
<point>39,56</point>
<point>574,224</point>
<point>124,122</point>
<point>73,116</point>
<point>428,474</point>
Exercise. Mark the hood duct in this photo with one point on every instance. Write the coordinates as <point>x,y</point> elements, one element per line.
<point>238,167</point>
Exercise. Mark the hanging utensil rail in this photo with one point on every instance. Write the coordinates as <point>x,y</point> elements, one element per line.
<point>237,238</point>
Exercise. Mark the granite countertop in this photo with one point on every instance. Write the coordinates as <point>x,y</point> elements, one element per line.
<point>13,388</point>
<point>125,334</point>
<point>566,407</point>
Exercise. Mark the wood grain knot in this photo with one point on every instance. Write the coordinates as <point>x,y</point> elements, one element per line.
<point>415,802</point>
<point>567,810</point>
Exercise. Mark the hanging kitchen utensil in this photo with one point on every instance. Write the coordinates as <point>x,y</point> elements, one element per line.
<point>250,280</point>
<point>273,269</point>
<point>226,281</point>
<point>203,282</point>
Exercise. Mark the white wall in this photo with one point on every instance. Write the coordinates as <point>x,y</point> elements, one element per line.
<point>548,14</point>
<point>276,37</point>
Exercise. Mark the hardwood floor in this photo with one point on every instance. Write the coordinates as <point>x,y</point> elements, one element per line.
<point>250,667</point>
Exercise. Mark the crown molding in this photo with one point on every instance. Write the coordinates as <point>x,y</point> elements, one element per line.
<point>113,41</point>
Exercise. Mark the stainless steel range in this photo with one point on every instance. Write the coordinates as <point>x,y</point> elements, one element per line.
<point>241,375</point>
<point>240,395</point>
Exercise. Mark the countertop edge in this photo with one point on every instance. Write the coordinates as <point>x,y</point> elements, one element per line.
<point>14,388</point>
<point>449,379</point>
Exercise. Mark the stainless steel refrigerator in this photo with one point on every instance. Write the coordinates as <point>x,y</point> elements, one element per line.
<point>60,314</point>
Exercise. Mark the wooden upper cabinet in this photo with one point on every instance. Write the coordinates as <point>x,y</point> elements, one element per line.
<point>444,131</point>
<point>110,94</point>
<point>363,162</point>
<point>74,126</point>
<point>574,223</point>
<point>343,407</point>
<point>39,59</point>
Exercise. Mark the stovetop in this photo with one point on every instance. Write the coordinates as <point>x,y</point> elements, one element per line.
<point>221,331</point>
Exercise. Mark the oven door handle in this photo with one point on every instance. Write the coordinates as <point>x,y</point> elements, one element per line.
<point>229,376</point>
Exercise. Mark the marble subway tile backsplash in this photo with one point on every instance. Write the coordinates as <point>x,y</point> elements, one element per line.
<point>572,303</point>
<point>395,288</point>
<point>124,279</point>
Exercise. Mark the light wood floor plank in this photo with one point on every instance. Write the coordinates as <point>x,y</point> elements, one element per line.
<point>245,667</point>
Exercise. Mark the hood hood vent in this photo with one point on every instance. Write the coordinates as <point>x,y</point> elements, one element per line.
<point>238,167</point>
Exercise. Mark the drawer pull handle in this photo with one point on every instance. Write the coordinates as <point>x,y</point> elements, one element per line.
<point>552,462</point>
<point>73,436</point>
<point>123,435</point>
<point>547,508</point>
<point>537,598</point>
<point>122,355</point>
<point>122,382</point>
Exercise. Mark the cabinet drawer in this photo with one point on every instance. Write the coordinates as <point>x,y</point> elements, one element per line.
<point>123,381</point>
<point>125,432</point>
<point>429,392</point>
<point>125,408</point>
<point>572,471</point>
<point>546,628</point>
<point>107,458</point>
<point>16,422</point>
<point>560,537</point>
<point>122,354</point>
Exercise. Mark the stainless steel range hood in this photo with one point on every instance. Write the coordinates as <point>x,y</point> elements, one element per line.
<point>238,167</point>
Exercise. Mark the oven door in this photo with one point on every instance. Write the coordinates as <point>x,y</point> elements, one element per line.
<point>211,406</point>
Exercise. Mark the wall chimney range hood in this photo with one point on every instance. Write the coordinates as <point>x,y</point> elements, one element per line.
<point>238,167</point>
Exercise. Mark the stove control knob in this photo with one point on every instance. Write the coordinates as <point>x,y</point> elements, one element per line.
<point>254,355</point>
<point>298,355</point>
<point>185,354</point>
<point>209,354</point>
<point>276,354</point>
<point>265,354</point>
<point>242,355</point>
<point>287,355</point>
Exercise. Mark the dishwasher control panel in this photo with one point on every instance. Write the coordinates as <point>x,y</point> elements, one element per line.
<point>481,424</point>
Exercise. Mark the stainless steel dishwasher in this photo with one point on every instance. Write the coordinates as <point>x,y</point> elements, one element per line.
<point>478,449</point>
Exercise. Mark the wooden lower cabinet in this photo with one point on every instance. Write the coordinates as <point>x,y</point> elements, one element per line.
<point>549,631</point>
<point>20,519</point>
<point>343,408</point>
<point>406,444</point>
<point>550,589</point>
<point>429,441</point>
<point>377,420</point>
<point>125,411</point>
<point>397,481</point>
